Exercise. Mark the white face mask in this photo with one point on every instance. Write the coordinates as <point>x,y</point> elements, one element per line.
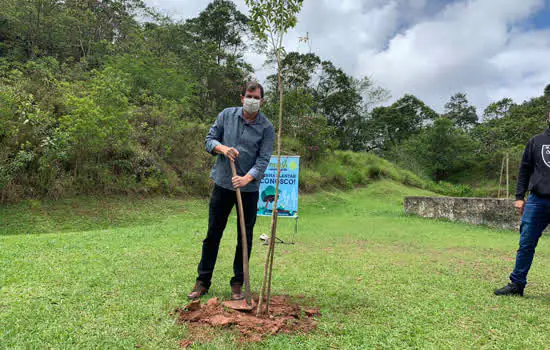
<point>251,105</point>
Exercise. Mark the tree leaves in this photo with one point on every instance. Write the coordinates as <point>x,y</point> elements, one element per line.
<point>459,110</point>
<point>273,17</point>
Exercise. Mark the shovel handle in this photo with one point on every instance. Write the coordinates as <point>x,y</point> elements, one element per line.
<point>244,241</point>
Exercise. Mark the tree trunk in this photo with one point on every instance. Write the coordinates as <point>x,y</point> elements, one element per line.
<point>268,267</point>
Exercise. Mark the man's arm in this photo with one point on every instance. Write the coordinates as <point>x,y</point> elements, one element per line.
<point>258,170</point>
<point>213,140</point>
<point>266,149</point>
<point>215,135</point>
<point>525,171</point>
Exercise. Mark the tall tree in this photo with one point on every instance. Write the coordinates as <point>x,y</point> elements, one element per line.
<point>271,20</point>
<point>319,87</point>
<point>4,34</point>
<point>36,27</point>
<point>507,130</point>
<point>459,110</point>
<point>338,99</point>
<point>222,24</point>
<point>216,48</point>
<point>99,24</point>
<point>390,126</point>
<point>297,70</point>
<point>211,52</point>
<point>442,149</point>
<point>336,94</point>
<point>372,95</point>
<point>498,109</point>
<point>70,28</point>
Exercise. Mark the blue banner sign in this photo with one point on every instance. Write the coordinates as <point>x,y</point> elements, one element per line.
<point>288,187</point>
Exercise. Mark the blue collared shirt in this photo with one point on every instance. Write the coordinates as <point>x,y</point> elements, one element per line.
<point>254,141</point>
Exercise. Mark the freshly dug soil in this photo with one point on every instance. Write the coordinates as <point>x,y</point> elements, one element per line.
<point>286,317</point>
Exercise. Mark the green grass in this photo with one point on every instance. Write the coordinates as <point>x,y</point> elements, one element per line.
<point>382,280</point>
<point>93,213</point>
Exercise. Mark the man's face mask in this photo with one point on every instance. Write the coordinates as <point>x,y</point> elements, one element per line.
<point>251,105</point>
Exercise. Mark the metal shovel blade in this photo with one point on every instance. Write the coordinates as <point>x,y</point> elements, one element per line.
<point>239,305</point>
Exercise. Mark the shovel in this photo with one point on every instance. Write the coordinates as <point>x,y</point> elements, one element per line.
<point>240,304</point>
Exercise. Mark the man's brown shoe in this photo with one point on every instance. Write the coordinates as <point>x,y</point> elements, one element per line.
<point>198,291</point>
<point>236,292</point>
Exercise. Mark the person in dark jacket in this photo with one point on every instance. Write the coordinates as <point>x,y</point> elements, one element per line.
<point>246,136</point>
<point>534,176</point>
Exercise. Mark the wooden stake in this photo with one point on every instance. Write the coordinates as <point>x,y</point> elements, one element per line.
<point>259,310</point>
<point>270,274</point>
<point>501,176</point>
<point>507,175</point>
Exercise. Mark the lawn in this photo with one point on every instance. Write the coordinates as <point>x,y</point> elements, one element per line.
<point>382,280</point>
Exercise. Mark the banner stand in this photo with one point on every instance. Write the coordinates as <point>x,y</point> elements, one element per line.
<point>293,241</point>
<point>265,238</point>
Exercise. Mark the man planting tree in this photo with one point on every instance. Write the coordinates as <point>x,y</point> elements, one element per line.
<point>534,175</point>
<point>243,135</point>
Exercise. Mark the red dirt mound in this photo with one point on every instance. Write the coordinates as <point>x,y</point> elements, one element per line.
<point>285,317</point>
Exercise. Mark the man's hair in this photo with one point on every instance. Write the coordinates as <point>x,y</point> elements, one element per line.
<point>252,86</point>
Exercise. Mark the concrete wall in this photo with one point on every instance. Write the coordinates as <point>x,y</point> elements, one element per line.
<point>497,213</point>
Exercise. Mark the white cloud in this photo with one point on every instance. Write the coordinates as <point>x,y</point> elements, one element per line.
<point>469,47</point>
<point>523,68</point>
<point>428,48</point>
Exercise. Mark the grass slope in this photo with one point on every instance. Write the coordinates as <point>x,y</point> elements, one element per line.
<point>382,280</point>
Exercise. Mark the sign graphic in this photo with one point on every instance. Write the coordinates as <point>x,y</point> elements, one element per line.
<point>288,187</point>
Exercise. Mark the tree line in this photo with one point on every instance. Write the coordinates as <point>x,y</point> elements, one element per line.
<point>113,97</point>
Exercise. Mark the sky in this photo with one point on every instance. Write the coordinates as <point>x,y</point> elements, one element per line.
<point>489,49</point>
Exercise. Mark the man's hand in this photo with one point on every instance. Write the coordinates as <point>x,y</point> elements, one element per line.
<point>230,152</point>
<point>241,181</point>
<point>520,206</point>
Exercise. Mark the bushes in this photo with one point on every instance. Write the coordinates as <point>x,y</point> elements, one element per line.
<point>94,136</point>
<point>313,132</point>
<point>449,189</point>
<point>26,133</point>
<point>346,170</point>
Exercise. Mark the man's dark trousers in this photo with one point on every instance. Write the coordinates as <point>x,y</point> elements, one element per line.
<point>221,204</point>
<point>536,218</point>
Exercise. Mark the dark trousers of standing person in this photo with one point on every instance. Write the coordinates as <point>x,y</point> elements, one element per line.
<point>534,221</point>
<point>221,204</point>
